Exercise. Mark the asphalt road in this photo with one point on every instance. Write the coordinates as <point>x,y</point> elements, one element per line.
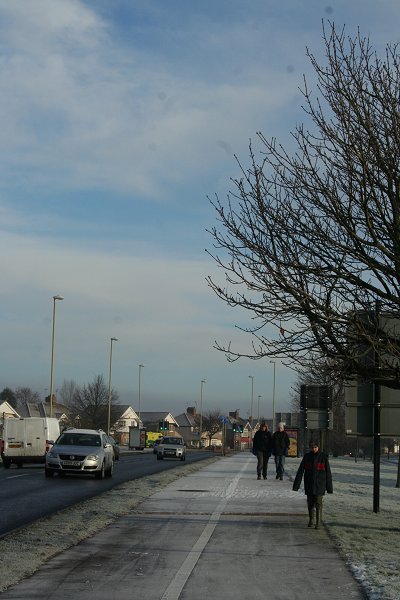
<point>26,495</point>
<point>215,533</point>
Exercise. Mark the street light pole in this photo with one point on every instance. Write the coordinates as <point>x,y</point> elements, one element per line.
<point>113,339</point>
<point>258,412</point>
<point>140,373</point>
<point>203,381</point>
<point>252,398</point>
<point>273,398</point>
<point>58,297</point>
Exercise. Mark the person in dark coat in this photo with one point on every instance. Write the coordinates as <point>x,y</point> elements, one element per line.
<point>262,448</point>
<point>280,448</point>
<point>317,481</point>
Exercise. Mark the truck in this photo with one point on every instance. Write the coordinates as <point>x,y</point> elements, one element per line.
<point>137,438</point>
<point>27,440</point>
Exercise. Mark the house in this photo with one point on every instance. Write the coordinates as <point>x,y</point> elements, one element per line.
<point>152,420</point>
<point>6,412</point>
<point>42,409</point>
<point>188,423</point>
<point>128,418</point>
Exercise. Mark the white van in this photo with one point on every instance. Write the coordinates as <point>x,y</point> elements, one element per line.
<point>28,440</point>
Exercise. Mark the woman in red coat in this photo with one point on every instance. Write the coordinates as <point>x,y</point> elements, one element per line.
<point>317,481</point>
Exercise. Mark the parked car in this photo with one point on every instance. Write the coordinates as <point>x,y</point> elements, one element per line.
<point>171,447</point>
<point>81,451</point>
<point>115,447</point>
<point>155,445</point>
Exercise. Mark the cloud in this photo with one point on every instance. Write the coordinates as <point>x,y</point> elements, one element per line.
<point>84,110</point>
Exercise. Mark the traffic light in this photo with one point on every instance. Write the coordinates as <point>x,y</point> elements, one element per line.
<point>163,425</point>
<point>237,428</point>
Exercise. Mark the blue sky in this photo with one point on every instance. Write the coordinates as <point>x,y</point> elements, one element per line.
<point>118,119</point>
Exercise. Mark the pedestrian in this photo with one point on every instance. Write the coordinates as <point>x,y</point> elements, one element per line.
<point>280,448</point>
<point>262,448</point>
<point>317,481</point>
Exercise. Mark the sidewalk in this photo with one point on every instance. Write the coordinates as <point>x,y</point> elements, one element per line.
<point>215,533</point>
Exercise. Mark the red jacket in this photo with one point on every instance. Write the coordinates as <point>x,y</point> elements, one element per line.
<point>317,474</point>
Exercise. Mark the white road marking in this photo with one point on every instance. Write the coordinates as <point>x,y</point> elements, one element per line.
<point>175,588</point>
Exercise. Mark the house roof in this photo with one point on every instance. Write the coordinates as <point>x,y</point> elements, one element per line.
<point>124,408</point>
<point>185,420</point>
<point>6,410</point>
<point>153,417</point>
<point>42,409</point>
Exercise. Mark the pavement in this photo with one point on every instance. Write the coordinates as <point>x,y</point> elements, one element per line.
<point>215,533</point>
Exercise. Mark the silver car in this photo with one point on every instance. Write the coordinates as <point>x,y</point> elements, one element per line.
<point>80,451</point>
<point>171,447</point>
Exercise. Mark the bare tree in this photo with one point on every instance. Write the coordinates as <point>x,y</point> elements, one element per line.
<point>90,405</point>
<point>310,240</point>
<point>25,394</point>
<point>212,423</point>
<point>67,392</point>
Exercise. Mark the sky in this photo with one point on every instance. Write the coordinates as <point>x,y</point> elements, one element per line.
<point>119,120</point>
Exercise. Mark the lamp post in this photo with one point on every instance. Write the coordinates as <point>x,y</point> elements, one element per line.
<point>140,374</point>
<point>273,397</point>
<point>113,339</point>
<point>252,398</point>
<point>203,381</point>
<point>258,412</point>
<point>58,297</point>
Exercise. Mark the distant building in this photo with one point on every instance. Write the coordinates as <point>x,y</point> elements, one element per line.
<point>6,412</point>
<point>42,409</point>
<point>128,418</point>
<point>151,421</point>
<point>188,423</point>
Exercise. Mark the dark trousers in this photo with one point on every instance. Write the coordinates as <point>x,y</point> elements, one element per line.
<point>314,502</point>
<point>262,462</point>
<point>280,464</point>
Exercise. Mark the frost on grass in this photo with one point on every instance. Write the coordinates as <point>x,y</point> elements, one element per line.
<point>23,552</point>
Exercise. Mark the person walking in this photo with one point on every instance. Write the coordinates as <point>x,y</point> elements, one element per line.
<point>280,448</point>
<point>262,448</point>
<point>317,481</point>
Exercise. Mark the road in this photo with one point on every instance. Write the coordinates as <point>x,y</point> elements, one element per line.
<point>217,533</point>
<point>26,495</point>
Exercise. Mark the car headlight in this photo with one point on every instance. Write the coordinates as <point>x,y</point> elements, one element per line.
<point>52,454</point>
<point>92,457</point>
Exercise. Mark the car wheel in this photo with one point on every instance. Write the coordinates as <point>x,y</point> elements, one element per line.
<point>159,457</point>
<point>48,473</point>
<point>102,473</point>
<point>6,463</point>
<point>111,469</point>
<point>183,457</point>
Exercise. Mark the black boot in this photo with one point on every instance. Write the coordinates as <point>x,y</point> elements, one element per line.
<point>311,513</point>
<point>318,519</point>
